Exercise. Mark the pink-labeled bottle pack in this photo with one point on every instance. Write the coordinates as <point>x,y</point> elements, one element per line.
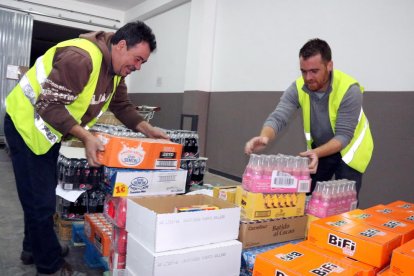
<point>277,174</point>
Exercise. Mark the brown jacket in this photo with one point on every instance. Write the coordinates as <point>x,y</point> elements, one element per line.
<point>71,69</point>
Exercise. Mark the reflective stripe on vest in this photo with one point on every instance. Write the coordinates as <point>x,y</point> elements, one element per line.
<point>358,152</point>
<point>37,134</point>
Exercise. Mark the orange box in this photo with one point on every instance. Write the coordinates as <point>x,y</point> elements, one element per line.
<point>363,242</point>
<point>90,224</point>
<point>364,269</point>
<point>406,230</point>
<point>393,212</point>
<point>402,262</point>
<point>402,204</point>
<point>103,238</point>
<point>385,272</point>
<point>298,259</point>
<point>139,153</point>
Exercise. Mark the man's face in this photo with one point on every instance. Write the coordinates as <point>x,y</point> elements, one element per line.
<point>125,61</point>
<point>315,72</point>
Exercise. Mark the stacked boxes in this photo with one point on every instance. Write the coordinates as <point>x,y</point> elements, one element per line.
<point>304,259</point>
<point>115,212</point>
<point>403,259</point>
<point>99,232</point>
<point>163,242</point>
<point>272,200</point>
<point>360,241</point>
<point>406,230</point>
<point>135,166</point>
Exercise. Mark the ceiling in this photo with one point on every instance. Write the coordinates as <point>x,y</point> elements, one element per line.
<point>122,5</point>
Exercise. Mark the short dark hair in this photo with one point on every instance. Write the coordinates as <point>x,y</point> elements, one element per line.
<point>316,46</point>
<point>134,33</point>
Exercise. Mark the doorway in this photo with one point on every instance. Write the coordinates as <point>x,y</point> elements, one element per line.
<point>47,35</point>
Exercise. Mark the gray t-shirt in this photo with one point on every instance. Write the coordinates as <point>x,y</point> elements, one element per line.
<point>321,130</point>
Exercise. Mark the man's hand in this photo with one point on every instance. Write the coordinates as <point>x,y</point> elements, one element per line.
<point>313,165</point>
<point>256,144</point>
<point>151,132</point>
<point>92,146</point>
<point>91,143</point>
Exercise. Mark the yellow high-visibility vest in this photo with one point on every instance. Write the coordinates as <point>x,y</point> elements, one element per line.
<point>357,154</point>
<point>38,135</point>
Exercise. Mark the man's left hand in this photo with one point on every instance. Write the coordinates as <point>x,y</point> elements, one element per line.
<point>314,160</point>
<point>151,132</point>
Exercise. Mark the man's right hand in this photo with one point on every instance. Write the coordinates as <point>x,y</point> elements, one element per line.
<point>92,146</point>
<point>256,144</point>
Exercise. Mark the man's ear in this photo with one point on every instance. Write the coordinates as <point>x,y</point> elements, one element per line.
<point>330,66</point>
<point>121,44</point>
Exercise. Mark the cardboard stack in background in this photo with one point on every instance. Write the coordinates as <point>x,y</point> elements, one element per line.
<point>162,242</point>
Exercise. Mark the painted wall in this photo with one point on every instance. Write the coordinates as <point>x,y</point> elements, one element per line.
<point>257,45</point>
<point>165,70</point>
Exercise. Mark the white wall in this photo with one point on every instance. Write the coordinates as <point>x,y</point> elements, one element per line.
<point>165,70</point>
<point>257,44</point>
<point>69,5</point>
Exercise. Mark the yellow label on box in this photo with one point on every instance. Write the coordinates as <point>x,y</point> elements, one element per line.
<point>265,206</point>
<point>120,189</point>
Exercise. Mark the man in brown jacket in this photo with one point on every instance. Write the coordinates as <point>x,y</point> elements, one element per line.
<point>59,97</point>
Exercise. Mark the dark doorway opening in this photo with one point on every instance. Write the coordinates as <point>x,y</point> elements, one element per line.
<point>46,35</point>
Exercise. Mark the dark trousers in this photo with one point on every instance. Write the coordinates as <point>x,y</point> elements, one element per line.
<point>36,182</point>
<point>334,166</point>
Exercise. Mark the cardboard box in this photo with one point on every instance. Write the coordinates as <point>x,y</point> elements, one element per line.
<point>152,221</point>
<point>392,212</point>
<point>221,258</point>
<point>139,153</point>
<point>402,262</point>
<point>64,229</point>
<point>227,193</point>
<point>262,232</point>
<point>406,230</point>
<point>262,206</point>
<point>385,272</point>
<point>402,205</point>
<point>127,182</point>
<point>249,254</point>
<point>311,218</point>
<point>364,269</point>
<point>300,260</point>
<point>362,242</point>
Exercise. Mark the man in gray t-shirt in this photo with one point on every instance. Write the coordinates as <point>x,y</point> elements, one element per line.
<point>336,129</point>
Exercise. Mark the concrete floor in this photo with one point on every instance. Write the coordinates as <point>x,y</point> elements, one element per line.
<point>11,227</point>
